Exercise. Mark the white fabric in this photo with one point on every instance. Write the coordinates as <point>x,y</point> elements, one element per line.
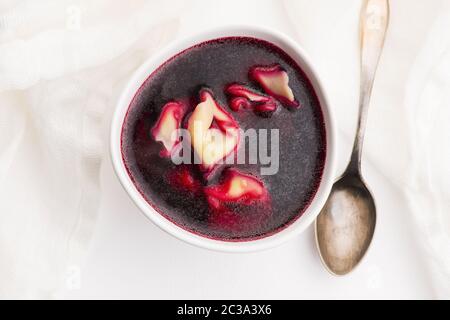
<point>407,133</point>
<point>427,95</point>
<point>63,64</point>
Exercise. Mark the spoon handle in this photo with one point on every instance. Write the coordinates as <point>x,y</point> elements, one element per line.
<point>374,23</point>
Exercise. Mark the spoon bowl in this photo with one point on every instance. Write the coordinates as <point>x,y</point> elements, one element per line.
<point>347,224</point>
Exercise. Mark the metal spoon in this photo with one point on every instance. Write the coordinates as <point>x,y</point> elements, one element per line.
<point>345,226</point>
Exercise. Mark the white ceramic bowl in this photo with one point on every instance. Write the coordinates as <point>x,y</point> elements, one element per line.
<point>297,53</point>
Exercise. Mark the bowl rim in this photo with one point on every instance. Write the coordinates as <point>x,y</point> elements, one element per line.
<point>151,64</point>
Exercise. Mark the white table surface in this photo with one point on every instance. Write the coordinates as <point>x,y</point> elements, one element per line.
<point>129,257</point>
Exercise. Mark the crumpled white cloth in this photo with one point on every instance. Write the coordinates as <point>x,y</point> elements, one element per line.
<point>407,133</point>
<point>63,64</point>
<point>427,94</point>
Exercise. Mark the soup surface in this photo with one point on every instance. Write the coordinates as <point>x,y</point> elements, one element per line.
<point>248,84</point>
